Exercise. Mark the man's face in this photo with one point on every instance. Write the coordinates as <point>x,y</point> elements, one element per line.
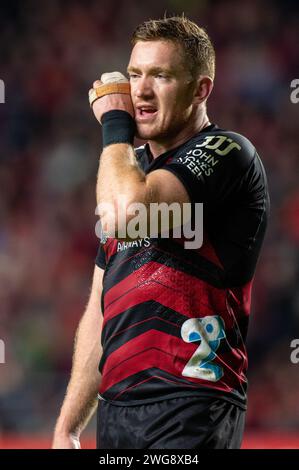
<point>161,89</point>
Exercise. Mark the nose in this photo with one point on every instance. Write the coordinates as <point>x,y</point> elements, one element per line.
<point>144,88</point>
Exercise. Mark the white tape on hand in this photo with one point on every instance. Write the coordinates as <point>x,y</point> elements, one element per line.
<point>113,82</point>
<point>113,77</point>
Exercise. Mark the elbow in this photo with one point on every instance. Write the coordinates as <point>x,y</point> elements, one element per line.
<point>117,217</point>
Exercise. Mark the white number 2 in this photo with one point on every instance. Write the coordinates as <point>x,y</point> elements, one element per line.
<point>209,331</point>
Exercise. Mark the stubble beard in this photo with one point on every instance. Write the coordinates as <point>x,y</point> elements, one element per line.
<point>160,135</point>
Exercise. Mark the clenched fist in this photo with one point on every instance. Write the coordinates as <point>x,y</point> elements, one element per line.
<point>110,93</point>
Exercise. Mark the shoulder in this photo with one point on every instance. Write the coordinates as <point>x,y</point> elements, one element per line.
<point>215,137</point>
<point>221,146</point>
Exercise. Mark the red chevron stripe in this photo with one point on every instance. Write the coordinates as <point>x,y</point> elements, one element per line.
<point>148,350</point>
<point>134,325</point>
<point>110,248</point>
<point>241,297</point>
<point>174,289</point>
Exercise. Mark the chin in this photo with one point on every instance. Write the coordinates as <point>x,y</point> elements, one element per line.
<point>144,134</point>
<point>159,135</point>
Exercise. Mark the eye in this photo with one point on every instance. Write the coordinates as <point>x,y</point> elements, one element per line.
<point>133,76</point>
<point>162,77</point>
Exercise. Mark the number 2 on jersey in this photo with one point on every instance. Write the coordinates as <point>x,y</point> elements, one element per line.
<point>209,331</point>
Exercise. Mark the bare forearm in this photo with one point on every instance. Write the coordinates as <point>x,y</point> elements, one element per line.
<point>81,396</point>
<point>119,174</point>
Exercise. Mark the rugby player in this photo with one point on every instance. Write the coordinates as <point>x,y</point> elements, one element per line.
<point>160,350</point>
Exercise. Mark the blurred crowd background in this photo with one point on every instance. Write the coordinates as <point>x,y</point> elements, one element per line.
<point>50,53</point>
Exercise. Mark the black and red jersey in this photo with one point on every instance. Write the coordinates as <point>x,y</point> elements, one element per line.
<point>176,319</point>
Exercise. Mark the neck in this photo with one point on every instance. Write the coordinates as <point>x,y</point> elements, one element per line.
<point>194,126</point>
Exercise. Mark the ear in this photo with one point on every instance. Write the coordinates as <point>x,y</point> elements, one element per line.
<point>203,89</point>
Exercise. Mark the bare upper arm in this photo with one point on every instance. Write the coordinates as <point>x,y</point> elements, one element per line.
<point>161,186</point>
<point>164,186</point>
<point>94,302</point>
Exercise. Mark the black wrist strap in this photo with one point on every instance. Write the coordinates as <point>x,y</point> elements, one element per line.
<point>118,127</point>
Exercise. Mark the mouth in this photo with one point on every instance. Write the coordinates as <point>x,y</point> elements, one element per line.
<point>145,113</point>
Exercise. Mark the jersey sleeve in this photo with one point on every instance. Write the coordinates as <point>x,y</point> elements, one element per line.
<point>211,168</point>
<point>100,259</point>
